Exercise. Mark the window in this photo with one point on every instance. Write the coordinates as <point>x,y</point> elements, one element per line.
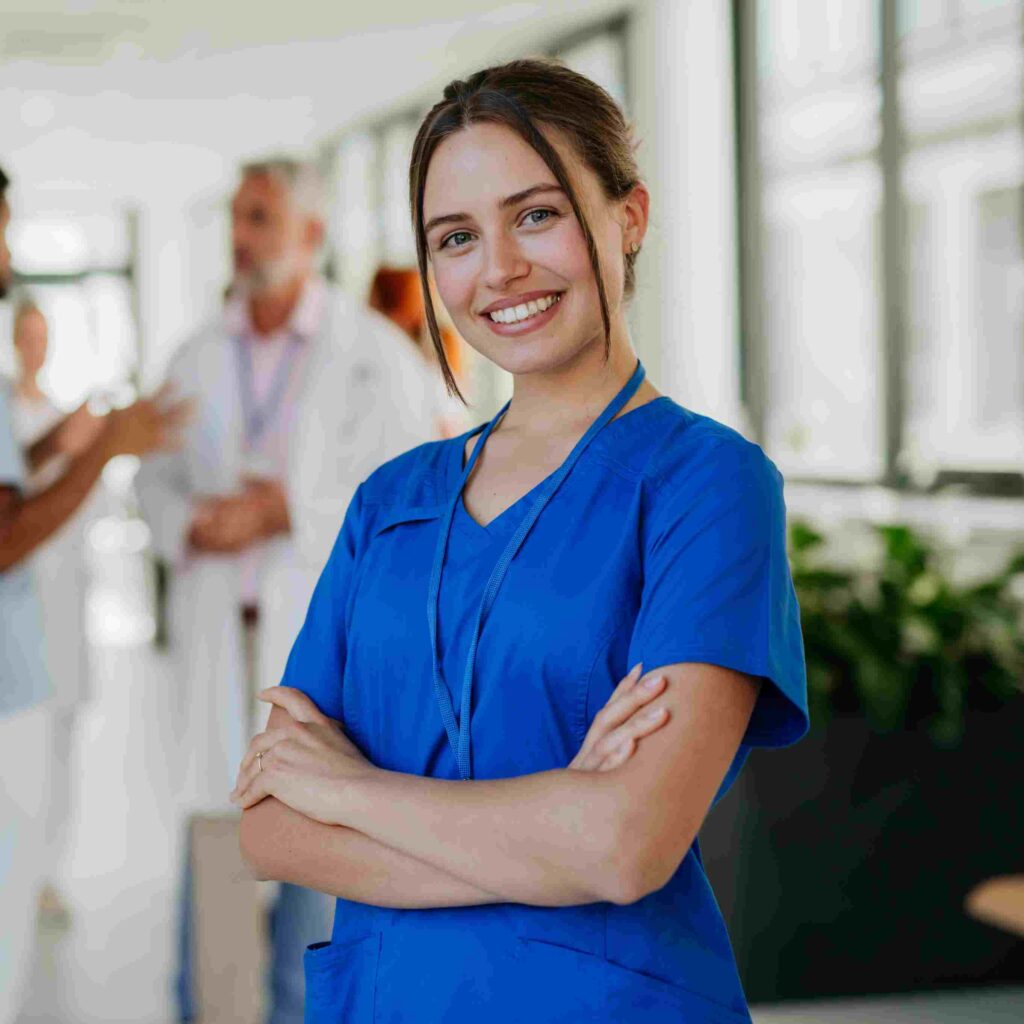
<point>882,169</point>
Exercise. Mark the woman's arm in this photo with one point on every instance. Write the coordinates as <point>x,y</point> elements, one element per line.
<point>563,837</point>
<point>283,844</point>
<point>280,843</point>
<point>554,838</point>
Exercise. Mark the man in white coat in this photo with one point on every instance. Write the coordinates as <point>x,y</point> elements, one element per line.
<point>298,394</point>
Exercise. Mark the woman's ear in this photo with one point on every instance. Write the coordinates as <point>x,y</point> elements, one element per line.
<point>635,211</point>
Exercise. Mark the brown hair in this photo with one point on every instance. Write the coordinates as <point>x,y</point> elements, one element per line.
<point>523,95</point>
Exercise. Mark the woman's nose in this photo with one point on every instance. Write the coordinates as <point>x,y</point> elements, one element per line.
<point>504,263</point>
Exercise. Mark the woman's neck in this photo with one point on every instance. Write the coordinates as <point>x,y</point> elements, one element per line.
<point>570,397</point>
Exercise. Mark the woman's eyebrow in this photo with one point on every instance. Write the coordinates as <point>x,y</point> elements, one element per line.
<point>513,200</point>
<point>528,193</point>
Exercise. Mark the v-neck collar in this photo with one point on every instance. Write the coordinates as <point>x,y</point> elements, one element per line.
<point>498,526</point>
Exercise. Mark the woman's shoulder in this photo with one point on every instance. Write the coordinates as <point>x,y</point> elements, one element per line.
<point>672,448</point>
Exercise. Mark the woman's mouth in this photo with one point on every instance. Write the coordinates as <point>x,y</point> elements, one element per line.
<point>524,316</point>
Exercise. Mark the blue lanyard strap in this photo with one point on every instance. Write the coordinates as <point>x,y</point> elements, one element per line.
<point>459,730</point>
<point>258,416</point>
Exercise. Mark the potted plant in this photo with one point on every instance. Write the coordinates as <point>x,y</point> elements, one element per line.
<point>841,863</point>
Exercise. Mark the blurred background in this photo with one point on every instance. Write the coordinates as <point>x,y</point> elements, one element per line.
<point>835,267</point>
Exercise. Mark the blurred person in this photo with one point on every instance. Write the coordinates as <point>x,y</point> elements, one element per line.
<point>27,522</point>
<point>299,393</point>
<point>439,780</point>
<point>396,292</point>
<point>60,573</point>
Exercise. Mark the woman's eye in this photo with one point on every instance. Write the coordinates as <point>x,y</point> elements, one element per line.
<point>455,240</point>
<point>538,216</point>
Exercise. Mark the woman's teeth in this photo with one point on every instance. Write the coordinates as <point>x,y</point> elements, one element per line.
<point>514,314</point>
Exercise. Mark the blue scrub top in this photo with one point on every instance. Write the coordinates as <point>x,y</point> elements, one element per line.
<point>665,544</point>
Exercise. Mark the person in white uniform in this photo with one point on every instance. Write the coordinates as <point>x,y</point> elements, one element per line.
<point>60,572</point>
<point>299,394</point>
<point>26,523</point>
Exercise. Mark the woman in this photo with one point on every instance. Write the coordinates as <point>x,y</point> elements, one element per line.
<point>484,596</point>
<point>61,577</point>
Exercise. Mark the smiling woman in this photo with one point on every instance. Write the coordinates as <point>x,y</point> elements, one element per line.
<point>511,830</point>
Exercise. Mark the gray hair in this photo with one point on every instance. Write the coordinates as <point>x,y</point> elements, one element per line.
<point>301,178</point>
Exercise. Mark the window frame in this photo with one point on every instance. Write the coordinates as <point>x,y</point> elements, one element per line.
<point>753,343</point>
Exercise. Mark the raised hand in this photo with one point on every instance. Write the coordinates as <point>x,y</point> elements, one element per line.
<point>147,425</point>
<point>78,430</point>
<point>626,718</point>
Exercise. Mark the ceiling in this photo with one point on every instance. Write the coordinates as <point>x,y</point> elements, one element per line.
<point>83,32</point>
<point>120,96</point>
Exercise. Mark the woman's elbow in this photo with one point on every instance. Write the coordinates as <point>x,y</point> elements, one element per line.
<point>639,866</point>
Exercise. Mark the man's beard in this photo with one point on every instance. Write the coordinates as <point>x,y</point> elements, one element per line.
<point>267,276</point>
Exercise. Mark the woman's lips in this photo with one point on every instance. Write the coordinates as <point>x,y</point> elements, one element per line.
<point>526,326</point>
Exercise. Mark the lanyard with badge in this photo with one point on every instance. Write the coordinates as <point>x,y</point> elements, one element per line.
<point>258,416</point>
<point>458,730</point>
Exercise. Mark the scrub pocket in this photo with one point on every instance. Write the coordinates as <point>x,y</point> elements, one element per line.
<point>582,987</point>
<point>341,981</point>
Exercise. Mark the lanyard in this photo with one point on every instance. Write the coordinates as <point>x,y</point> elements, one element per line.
<point>459,730</point>
<point>258,416</point>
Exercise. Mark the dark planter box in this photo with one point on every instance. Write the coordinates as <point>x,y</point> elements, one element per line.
<point>841,864</point>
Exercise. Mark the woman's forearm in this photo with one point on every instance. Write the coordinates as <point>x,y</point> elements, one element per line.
<point>281,844</point>
<point>555,838</point>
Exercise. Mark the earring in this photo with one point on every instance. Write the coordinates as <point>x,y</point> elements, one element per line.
<point>634,248</point>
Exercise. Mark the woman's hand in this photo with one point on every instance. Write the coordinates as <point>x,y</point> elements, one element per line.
<point>622,723</point>
<point>304,762</point>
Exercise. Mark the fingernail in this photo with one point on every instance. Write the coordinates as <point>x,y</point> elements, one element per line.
<point>652,714</point>
<point>654,682</point>
<point>637,669</point>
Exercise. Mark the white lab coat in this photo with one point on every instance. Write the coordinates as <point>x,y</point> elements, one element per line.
<point>363,398</point>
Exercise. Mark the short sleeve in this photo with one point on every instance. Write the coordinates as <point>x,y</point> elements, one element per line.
<point>12,466</point>
<point>316,664</point>
<point>717,586</point>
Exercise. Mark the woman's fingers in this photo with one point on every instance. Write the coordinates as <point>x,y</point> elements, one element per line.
<point>632,695</point>
<point>615,712</point>
<point>260,744</point>
<point>619,756</point>
<point>627,682</point>
<point>257,757</point>
<point>256,790</point>
<point>295,702</point>
<point>618,746</point>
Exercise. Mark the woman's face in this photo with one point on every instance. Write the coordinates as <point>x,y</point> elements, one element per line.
<point>504,242</point>
<point>30,340</point>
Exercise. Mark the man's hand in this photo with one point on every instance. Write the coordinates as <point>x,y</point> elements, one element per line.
<point>147,425</point>
<point>78,430</point>
<point>269,497</point>
<point>230,524</point>
<point>226,525</point>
